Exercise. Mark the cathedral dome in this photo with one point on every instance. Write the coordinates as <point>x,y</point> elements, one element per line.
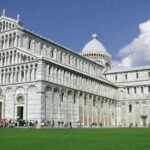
<point>94,47</point>
<point>95,51</point>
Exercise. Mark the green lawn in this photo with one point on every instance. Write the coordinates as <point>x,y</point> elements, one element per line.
<point>75,139</point>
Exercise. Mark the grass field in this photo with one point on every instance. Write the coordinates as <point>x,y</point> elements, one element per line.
<point>75,139</point>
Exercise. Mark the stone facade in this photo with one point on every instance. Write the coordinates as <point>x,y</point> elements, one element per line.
<point>134,95</point>
<point>43,80</point>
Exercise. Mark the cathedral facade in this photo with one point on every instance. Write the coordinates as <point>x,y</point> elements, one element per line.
<point>43,80</point>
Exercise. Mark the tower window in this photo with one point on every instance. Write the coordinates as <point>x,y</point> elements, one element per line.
<point>128,91</point>
<point>41,48</point>
<point>94,102</point>
<point>62,97</point>
<point>135,90</point>
<point>74,98</point>
<point>137,75</point>
<point>29,44</point>
<point>85,101</point>
<point>22,75</point>
<point>116,77</point>
<point>148,74</point>
<point>130,108</point>
<point>141,89</point>
<point>126,77</point>
<point>52,53</point>
<point>148,89</point>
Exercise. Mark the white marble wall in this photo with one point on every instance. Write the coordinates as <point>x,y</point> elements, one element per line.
<point>134,90</point>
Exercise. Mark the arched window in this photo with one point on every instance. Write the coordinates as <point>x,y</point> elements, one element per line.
<point>3,25</point>
<point>0,92</point>
<point>116,77</point>
<point>22,75</point>
<point>85,101</point>
<point>17,76</point>
<point>35,71</point>
<point>137,75</point>
<point>69,59</point>
<point>2,78</point>
<point>52,53</point>
<point>94,102</point>
<point>60,56</point>
<point>13,76</point>
<point>2,43</point>
<point>9,25</point>
<point>13,26</point>
<point>10,40</point>
<point>29,44</point>
<point>49,69</point>
<point>9,75</point>
<point>62,97</point>
<point>30,74</point>
<point>0,26</point>
<point>135,90</point>
<point>74,98</point>
<point>6,25</point>
<point>41,48</point>
<point>148,74</point>
<point>148,89</point>
<point>10,59</point>
<point>130,108</point>
<point>141,89</point>
<point>128,91</point>
<point>20,100</point>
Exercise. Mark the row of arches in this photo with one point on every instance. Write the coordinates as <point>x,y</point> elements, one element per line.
<point>8,40</point>
<point>68,105</point>
<point>134,92</point>
<point>10,57</point>
<point>73,80</point>
<point>94,54</point>
<point>51,52</point>
<point>21,96</point>
<point>97,56</point>
<point>129,76</point>
<point>17,74</point>
<point>60,104</point>
<point>59,54</point>
<point>6,25</point>
<point>138,90</point>
<point>18,91</point>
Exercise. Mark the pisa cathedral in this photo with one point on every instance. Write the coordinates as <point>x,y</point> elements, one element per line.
<point>43,80</point>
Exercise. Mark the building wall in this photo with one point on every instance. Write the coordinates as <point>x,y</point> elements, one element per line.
<point>133,91</point>
<point>13,96</point>
<point>66,104</point>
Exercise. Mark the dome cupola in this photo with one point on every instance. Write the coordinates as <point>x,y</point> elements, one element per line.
<point>95,51</point>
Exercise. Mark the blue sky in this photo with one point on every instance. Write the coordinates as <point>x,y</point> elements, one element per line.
<point>71,22</point>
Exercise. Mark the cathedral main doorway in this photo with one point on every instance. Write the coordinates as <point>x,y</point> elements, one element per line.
<point>20,107</point>
<point>20,112</point>
<point>0,110</point>
<point>144,120</point>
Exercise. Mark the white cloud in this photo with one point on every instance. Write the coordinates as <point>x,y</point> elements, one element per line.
<point>136,53</point>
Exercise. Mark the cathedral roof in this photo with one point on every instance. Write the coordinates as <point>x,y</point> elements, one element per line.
<point>94,47</point>
<point>132,69</point>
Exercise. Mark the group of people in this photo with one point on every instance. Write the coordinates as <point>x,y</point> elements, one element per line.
<point>17,123</point>
<point>34,123</point>
<point>54,124</point>
<point>44,124</point>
